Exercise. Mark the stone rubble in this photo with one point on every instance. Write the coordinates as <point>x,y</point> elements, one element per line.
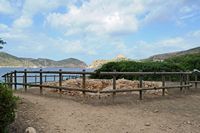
<point>106,84</point>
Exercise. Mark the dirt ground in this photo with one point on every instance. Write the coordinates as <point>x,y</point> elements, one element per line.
<point>178,112</point>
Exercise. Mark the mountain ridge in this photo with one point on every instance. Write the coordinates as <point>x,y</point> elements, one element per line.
<point>164,56</point>
<point>8,60</point>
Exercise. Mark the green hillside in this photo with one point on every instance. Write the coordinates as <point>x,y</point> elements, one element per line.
<point>161,57</point>
<point>7,60</point>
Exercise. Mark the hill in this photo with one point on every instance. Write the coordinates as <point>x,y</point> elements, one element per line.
<point>98,63</point>
<point>161,57</point>
<point>7,60</point>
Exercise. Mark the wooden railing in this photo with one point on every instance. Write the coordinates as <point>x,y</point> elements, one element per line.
<point>12,80</point>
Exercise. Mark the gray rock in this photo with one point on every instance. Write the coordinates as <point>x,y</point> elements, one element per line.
<point>188,122</point>
<point>147,124</point>
<point>156,111</point>
<point>30,130</point>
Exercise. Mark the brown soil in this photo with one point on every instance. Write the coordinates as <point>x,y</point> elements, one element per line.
<point>178,112</point>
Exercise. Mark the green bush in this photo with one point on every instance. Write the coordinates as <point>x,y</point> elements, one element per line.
<point>188,62</point>
<point>174,64</point>
<point>7,107</point>
<point>132,66</point>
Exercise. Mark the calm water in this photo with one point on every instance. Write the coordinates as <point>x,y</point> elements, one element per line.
<point>20,80</point>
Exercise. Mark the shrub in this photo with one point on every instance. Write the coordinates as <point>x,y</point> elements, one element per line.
<point>7,107</point>
<point>132,66</point>
<point>189,62</point>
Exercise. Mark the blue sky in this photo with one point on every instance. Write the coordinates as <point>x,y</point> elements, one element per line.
<point>98,29</point>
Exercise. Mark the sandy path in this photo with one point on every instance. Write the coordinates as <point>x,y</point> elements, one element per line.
<point>176,113</point>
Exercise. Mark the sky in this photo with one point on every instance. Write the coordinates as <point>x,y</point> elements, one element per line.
<point>98,29</point>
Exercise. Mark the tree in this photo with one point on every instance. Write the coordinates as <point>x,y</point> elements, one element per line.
<point>2,42</point>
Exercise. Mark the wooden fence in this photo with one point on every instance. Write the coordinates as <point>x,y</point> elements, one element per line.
<point>12,80</point>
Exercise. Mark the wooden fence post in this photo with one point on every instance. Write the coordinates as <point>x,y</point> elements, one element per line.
<point>45,78</point>
<point>15,79</point>
<point>5,79</point>
<point>163,85</point>
<point>181,81</point>
<point>8,79</point>
<point>35,79</point>
<point>54,77</point>
<point>140,85</point>
<point>196,79</point>
<point>41,81</point>
<point>114,83</point>
<point>185,81</point>
<point>25,80</point>
<point>83,81</point>
<point>63,77</point>
<point>188,80</point>
<point>11,80</point>
<point>60,80</point>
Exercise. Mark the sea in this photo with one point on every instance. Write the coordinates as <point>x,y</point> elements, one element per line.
<point>4,70</point>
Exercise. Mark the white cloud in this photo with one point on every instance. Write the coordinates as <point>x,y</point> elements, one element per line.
<point>194,34</point>
<point>119,17</point>
<point>43,45</point>
<point>36,48</point>
<point>5,7</point>
<point>75,47</point>
<point>143,49</point>
<point>172,42</point>
<point>70,47</point>
<point>31,7</point>
<point>13,35</point>
<point>22,22</point>
<point>3,27</point>
<point>98,17</point>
